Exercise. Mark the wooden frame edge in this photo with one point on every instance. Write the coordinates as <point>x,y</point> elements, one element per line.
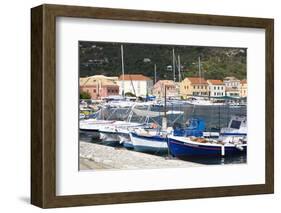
<point>43,104</point>
<point>36,106</point>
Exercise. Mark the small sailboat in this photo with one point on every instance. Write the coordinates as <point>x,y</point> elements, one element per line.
<point>232,140</point>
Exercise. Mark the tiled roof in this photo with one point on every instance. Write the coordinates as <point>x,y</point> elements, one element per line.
<point>134,77</point>
<point>244,81</point>
<point>83,81</point>
<point>166,82</point>
<point>215,82</point>
<point>95,80</point>
<point>197,80</point>
<point>230,78</point>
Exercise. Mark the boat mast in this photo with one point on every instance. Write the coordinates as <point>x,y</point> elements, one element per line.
<point>155,71</point>
<point>199,69</point>
<point>174,70</point>
<point>122,59</point>
<point>179,67</point>
<point>164,119</point>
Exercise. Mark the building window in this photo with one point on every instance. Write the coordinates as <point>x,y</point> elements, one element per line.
<point>193,87</point>
<point>94,90</point>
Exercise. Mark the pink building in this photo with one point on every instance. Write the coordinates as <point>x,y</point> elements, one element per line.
<point>159,88</point>
<point>99,86</point>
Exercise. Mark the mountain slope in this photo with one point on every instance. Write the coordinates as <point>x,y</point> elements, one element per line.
<point>105,58</point>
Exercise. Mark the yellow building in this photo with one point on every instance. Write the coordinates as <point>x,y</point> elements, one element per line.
<point>243,88</point>
<point>194,86</point>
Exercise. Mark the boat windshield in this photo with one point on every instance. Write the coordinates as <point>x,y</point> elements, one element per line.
<point>235,124</point>
<point>191,124</point>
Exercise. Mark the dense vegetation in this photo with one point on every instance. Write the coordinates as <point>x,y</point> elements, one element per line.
<point>84,95</point>
<point>216,62</point>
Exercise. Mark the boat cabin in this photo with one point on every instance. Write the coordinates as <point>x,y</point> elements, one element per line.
<point>193,127</point>
<point>237,125</point>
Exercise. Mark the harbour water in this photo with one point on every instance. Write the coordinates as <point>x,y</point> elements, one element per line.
<point>215,117</point>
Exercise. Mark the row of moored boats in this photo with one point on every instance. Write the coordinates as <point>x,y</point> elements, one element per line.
<point>189,139</point>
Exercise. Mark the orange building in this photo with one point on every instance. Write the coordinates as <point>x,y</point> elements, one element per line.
<point>243,88</point>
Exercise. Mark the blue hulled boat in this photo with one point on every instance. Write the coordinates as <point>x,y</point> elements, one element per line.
<point>233,140</point>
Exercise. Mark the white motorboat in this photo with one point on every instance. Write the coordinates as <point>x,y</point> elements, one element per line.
<point>198,101</point>
<point>110,133</point>
<point>150,140</point>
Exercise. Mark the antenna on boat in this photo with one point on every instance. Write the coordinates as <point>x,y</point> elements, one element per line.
<point>174,70</point>
<point>122,60</point>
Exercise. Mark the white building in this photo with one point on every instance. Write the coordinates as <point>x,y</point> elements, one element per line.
<point>232,86</point>
<point>137,84</point>
<point>216,88</point>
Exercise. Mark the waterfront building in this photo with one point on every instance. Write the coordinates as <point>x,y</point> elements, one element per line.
<point>243,88</point>
<point>159,88</point>
<point>216,88</point>
<point>194,86</point>
<point>99,86</point>
<point>232,86</point>
<point>137,84</point>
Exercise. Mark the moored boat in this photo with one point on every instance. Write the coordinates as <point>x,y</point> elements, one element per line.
<point>150,140</point>
<point>192,146</point>
<point>232,140</point>
<point>93,125</point>
<point>110,133</point>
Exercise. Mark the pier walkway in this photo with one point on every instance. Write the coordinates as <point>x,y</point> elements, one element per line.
<point>97,156</point>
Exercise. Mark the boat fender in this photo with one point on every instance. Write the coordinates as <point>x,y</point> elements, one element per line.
<point>154,125</point>
<point>239,147</point>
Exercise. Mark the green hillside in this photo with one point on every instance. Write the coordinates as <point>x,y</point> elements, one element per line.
<point>97,58</point>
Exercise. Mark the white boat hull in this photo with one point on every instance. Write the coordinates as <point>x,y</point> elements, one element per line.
<point>148,143</point>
